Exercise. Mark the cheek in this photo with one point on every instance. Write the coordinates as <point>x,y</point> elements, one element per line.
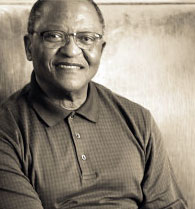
<point>42,57</point>
<point>93,57</point>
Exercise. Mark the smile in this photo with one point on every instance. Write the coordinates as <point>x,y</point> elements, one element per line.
<point>68,66</point>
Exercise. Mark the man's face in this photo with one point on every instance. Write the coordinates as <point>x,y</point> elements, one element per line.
<point>67,68</point>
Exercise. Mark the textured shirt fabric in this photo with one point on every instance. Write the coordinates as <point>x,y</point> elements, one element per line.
<point>107,154</point>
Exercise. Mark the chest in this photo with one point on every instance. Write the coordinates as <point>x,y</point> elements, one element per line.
<point>82,161</point>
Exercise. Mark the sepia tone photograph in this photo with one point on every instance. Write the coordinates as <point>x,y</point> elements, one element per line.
<point>97,104</point>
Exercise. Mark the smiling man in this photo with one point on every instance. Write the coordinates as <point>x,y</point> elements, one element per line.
<point>67,142</point>
<point>65,45</point>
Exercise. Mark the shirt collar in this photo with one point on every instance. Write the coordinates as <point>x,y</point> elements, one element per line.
<point>51,113</point>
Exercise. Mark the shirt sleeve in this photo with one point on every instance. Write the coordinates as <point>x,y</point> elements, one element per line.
<point>16,191</point>
<point>159,185</point>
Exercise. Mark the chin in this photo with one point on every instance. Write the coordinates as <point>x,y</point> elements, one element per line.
<point>73,87</point>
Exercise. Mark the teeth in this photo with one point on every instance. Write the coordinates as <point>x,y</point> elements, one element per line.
<point>69,66</point>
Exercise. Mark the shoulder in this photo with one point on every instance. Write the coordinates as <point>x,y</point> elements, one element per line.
<point>138,118</point>
<point>13,108</point>
<point>16,101</point>
<point>108,96</point>
<point>16,97</point>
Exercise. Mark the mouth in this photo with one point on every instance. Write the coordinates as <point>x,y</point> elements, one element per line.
<point>69,66</point>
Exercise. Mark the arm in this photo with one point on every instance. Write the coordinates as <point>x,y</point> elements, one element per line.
<point>16,192</point>
<point>159,184</point>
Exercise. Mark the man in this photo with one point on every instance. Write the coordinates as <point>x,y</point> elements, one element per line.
<point>67,142</point>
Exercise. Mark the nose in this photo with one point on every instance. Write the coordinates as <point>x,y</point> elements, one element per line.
<point>70,49</point>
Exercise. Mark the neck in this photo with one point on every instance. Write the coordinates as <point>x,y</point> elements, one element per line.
<point>67,100</point>
<point>72,102</point>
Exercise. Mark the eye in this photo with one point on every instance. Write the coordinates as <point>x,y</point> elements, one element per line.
<point>86,39</point>
<point>53,36</point>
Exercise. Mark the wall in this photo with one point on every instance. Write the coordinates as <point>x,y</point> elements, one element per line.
<point>14,69</point>
<point>149,58</point>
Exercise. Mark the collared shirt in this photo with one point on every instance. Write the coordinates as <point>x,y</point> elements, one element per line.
<point>107,154</point>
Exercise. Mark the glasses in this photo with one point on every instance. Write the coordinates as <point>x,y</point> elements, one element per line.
<point>56,39</point>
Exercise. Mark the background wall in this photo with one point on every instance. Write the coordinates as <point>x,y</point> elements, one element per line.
<point>149,58</point>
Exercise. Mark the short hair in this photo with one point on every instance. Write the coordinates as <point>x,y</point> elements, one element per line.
<point>34,16</point>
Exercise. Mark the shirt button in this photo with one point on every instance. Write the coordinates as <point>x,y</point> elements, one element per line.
<point>78,135</point>
<point>84,157</point>
<point>72,115</point>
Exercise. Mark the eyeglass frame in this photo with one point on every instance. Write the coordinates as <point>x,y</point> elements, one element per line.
<point>67,35</point>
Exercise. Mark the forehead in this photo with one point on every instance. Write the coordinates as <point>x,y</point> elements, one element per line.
<point>75,14</point>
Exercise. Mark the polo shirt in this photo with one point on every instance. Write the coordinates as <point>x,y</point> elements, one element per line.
<point>107,154</point>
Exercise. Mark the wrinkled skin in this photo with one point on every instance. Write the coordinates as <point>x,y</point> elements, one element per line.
<point>55,80</point>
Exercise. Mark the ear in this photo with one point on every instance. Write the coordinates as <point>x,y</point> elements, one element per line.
<point>28,47</point>
<point>103,45</point>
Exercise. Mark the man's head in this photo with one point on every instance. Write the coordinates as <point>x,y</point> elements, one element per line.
<point>65,63</point>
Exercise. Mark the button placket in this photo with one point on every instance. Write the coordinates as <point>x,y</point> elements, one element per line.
<point>80,150</point>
